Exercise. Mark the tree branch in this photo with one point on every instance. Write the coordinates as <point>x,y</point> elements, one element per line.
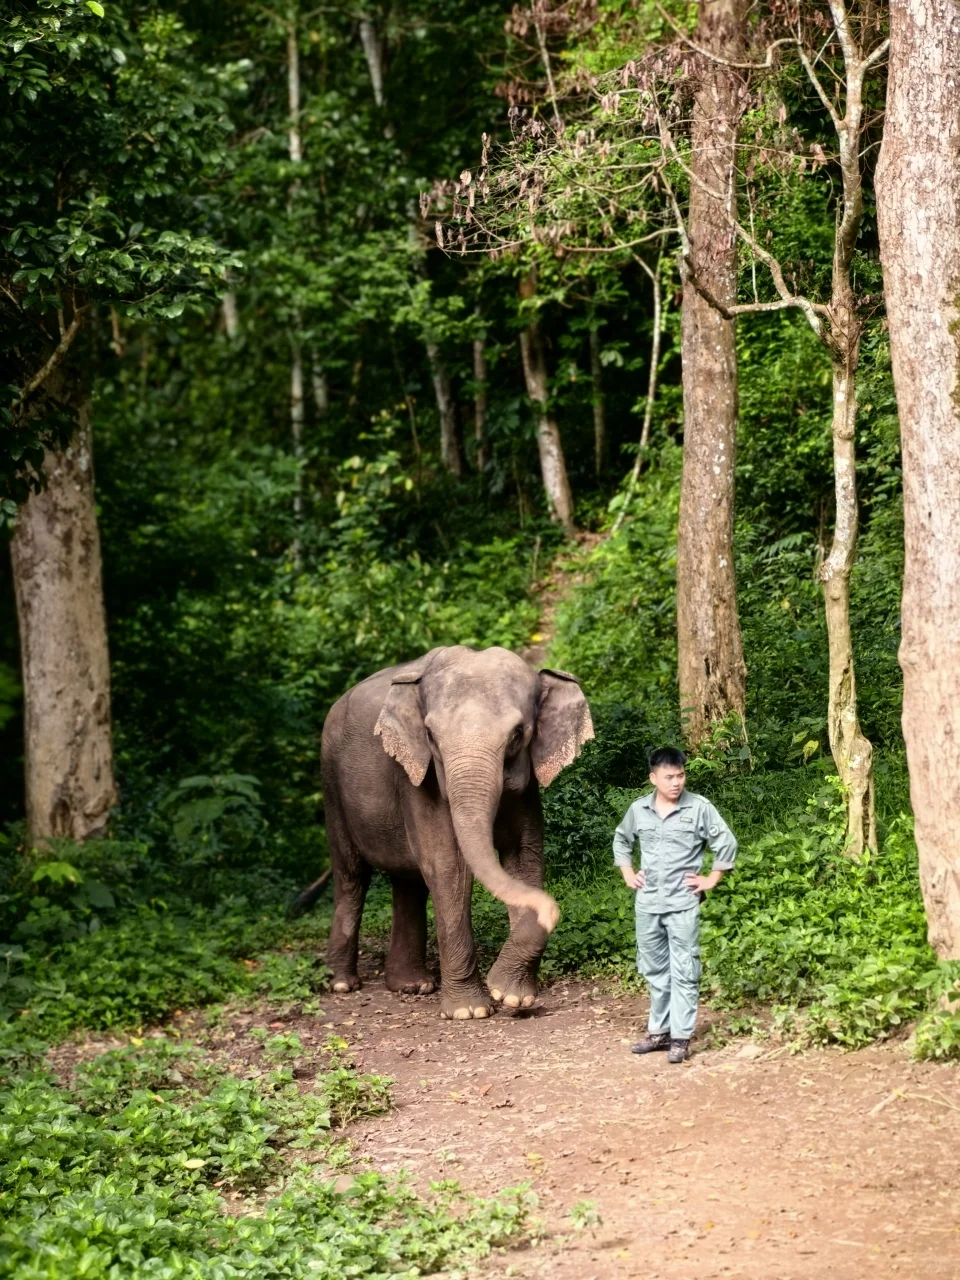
<point>766,65</point>
<point>877,54</point>
<point>56,357</point>
<point>841,22</point>
<point>812,310</point>
<point>817,84</point>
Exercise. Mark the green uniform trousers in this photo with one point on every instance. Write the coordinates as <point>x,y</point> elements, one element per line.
<point>668,956</point>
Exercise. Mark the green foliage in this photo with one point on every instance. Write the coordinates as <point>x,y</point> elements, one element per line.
<point>938,1031</point>
<point>120,1173</point>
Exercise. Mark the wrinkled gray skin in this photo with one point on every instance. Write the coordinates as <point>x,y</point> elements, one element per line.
<point>429,770</point>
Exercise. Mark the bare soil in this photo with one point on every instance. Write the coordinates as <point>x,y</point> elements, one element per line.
<point>748,1161</point>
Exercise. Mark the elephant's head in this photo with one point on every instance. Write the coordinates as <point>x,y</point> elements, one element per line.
<point>487,722</point>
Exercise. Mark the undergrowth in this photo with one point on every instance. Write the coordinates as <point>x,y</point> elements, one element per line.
<point>126,1170</point>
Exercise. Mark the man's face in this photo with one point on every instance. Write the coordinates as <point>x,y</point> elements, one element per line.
<point>669,780</point>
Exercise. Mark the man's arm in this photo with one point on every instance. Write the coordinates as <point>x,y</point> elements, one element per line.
<point>721,842</point>
<point>703,884</point>
<point>623,839</point>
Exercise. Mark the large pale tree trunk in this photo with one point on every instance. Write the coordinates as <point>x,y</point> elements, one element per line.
<point>918,196</point>
<point>553,465</point>
<point>55,552</point>
<point>711,669</point>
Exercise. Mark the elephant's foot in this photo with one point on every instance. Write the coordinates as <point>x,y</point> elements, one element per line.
<point>345,982</point>
<point>512,989</point>
<point>412,982</point>
<point>467,1000</point>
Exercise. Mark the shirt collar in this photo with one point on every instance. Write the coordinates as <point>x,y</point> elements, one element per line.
<point>684,801</point>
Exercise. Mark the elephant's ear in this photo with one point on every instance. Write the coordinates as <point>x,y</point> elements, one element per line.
<point>563,725</point>
<point>400,725</point>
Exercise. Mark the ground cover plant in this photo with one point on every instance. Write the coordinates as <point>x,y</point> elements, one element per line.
<point>156,1159</point>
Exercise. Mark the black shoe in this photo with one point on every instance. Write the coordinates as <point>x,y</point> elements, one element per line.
<point>679,1051</point>
<point>651,1043</point>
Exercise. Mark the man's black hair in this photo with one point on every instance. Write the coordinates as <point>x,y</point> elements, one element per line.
<point>667,755</point>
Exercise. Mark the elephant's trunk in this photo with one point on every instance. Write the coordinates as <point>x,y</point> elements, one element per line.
<point>474,784</point>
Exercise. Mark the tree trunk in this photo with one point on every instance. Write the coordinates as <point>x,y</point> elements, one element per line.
<point>55,552</point>
<point>918,194</point>
<point>552,462</point>
<point>450,452</point>
<point>852,752</point>
<point>373,52</point>
<point>553,465</point>
<point>480,396</point>
<point>711,669</point>
<point>231,315</point>
<point>294,141</point>
<point>297,415</point>
<point>599,405</point>
<point>321,389</point>
<point>297,419</point>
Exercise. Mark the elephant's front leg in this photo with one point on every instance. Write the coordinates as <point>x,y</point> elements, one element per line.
<point>513,979</point>
<point>462,993</point>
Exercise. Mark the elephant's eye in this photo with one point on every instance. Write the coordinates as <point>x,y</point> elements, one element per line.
<point>515,741</point>
<point>430,738</point>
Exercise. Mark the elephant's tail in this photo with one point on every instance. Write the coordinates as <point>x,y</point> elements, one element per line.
<point>308,896</point>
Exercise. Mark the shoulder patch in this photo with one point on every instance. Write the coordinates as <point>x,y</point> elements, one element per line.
<point>714,830</point>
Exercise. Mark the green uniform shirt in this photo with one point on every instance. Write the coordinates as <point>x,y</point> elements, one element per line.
<point>672,847</point>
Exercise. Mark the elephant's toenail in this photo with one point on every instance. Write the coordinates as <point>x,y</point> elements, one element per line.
<point>341,986</point>
<point>444,1015</point>
<point>512,1002</point>
<point>481,1011</point>
<point>495,994</point>
<point>527,1001</point>
<point>461,1013</point>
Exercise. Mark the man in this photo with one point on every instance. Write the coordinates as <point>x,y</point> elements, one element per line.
<point>673,827</point>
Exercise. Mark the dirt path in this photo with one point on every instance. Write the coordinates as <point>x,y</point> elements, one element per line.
<point>745,1162</point>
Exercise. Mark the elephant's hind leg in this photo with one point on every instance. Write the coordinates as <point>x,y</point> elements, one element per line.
<point>350,891</point>
<point>406,968</point>
<point>351,879</point>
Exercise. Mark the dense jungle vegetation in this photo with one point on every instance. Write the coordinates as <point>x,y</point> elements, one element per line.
<point>316,455</point>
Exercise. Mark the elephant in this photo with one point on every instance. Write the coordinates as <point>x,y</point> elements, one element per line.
<point>429,769</point>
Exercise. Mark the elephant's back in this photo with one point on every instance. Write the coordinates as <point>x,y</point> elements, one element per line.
<point>350,753</point>
<point>359,705</point>
<point>359,779</point>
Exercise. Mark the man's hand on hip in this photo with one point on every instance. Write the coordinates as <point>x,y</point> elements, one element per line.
<point>633,879</point>
<point>702,884</point>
